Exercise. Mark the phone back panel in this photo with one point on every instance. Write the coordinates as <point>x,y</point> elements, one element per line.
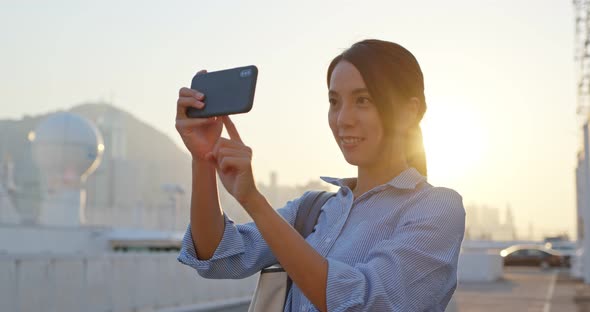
<point>229,91</point>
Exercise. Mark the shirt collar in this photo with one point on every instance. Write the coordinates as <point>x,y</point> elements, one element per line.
<point>409,179</point>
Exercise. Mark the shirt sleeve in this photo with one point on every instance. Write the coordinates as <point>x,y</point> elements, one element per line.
<point>414,270</point>
<point>241,252</point>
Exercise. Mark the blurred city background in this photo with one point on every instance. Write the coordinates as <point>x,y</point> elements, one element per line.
<point>95,183</point>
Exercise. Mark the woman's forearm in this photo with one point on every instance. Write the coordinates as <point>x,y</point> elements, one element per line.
<point>206,216</point>
<point>306,267</point>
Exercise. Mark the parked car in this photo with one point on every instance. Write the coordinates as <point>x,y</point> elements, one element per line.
<point>566,248</point>
<point>533,255</point>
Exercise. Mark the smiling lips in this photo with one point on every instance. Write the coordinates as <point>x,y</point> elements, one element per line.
<point>350,141</point>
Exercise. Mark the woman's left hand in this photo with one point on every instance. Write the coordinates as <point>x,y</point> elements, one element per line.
<point>233,160</point>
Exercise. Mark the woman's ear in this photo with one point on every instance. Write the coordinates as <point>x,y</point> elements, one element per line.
<point>409,113</point>
<point>413,108</point>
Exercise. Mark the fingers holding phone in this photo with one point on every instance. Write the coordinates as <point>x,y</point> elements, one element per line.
<point>198,134</point>
<point>188,98</point>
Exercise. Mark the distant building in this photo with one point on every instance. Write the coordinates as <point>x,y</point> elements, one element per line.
<point>8,213</point>
<point>583,201</point>
<point>278,195</point>
<point>581,193</point>
<point>483,223</point>
<point>115,188</point>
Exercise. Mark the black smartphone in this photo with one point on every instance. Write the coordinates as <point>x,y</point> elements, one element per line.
<point>229,91</point>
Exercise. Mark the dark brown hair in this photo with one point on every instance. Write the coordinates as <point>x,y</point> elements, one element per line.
<point>393,76</point>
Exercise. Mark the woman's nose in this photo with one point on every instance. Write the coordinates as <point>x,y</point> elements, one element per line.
<point>346,116</point>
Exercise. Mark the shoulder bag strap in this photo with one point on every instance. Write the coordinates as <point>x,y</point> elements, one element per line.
<point>307,217</point>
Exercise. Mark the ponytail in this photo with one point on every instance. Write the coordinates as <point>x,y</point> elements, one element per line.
<point>415,154</point>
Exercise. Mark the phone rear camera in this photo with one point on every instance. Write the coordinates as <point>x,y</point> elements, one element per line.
<point>246,73</point>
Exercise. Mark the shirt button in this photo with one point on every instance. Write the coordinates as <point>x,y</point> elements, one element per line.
<point>328,240</point>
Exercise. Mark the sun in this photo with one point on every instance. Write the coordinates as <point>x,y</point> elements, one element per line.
<point>454,140</point>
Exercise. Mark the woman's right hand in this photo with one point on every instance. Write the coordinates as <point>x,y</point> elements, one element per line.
<point>198,134</point>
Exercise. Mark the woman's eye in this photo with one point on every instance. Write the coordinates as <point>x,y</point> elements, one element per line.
<point>332,102</point>
<point>364,100</point>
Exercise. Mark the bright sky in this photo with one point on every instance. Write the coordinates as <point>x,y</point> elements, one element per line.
<point>501,124</point>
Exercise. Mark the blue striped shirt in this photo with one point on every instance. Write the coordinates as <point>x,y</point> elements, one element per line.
<point>394,248</point>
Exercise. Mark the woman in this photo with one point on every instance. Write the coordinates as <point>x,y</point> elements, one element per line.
<point>387,241</point>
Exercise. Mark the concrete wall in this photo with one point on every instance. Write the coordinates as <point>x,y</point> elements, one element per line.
<point>585,204</point>
<point>109,282</point>
<point>480,266</point>
<point>35,239</point>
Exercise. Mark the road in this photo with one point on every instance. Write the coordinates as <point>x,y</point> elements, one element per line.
<point>521,289</point>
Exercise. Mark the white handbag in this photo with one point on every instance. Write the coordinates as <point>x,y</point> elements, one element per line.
<point>271,290</point>
<point>274,283</point>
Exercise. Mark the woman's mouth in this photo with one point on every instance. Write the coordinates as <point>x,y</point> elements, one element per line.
<point>350,141</point>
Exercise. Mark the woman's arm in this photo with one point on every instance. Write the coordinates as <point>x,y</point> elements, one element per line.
<point>206,217</point>
<point>414,269</point>
<point>199,136</point>
<point>241,252</point>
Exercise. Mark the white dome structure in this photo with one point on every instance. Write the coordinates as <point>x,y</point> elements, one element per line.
<point>67,148</point>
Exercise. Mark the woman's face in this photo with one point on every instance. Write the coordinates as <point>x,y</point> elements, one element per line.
<point>354,118</point>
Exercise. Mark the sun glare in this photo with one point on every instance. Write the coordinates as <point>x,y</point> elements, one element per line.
<point>454,140</point>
